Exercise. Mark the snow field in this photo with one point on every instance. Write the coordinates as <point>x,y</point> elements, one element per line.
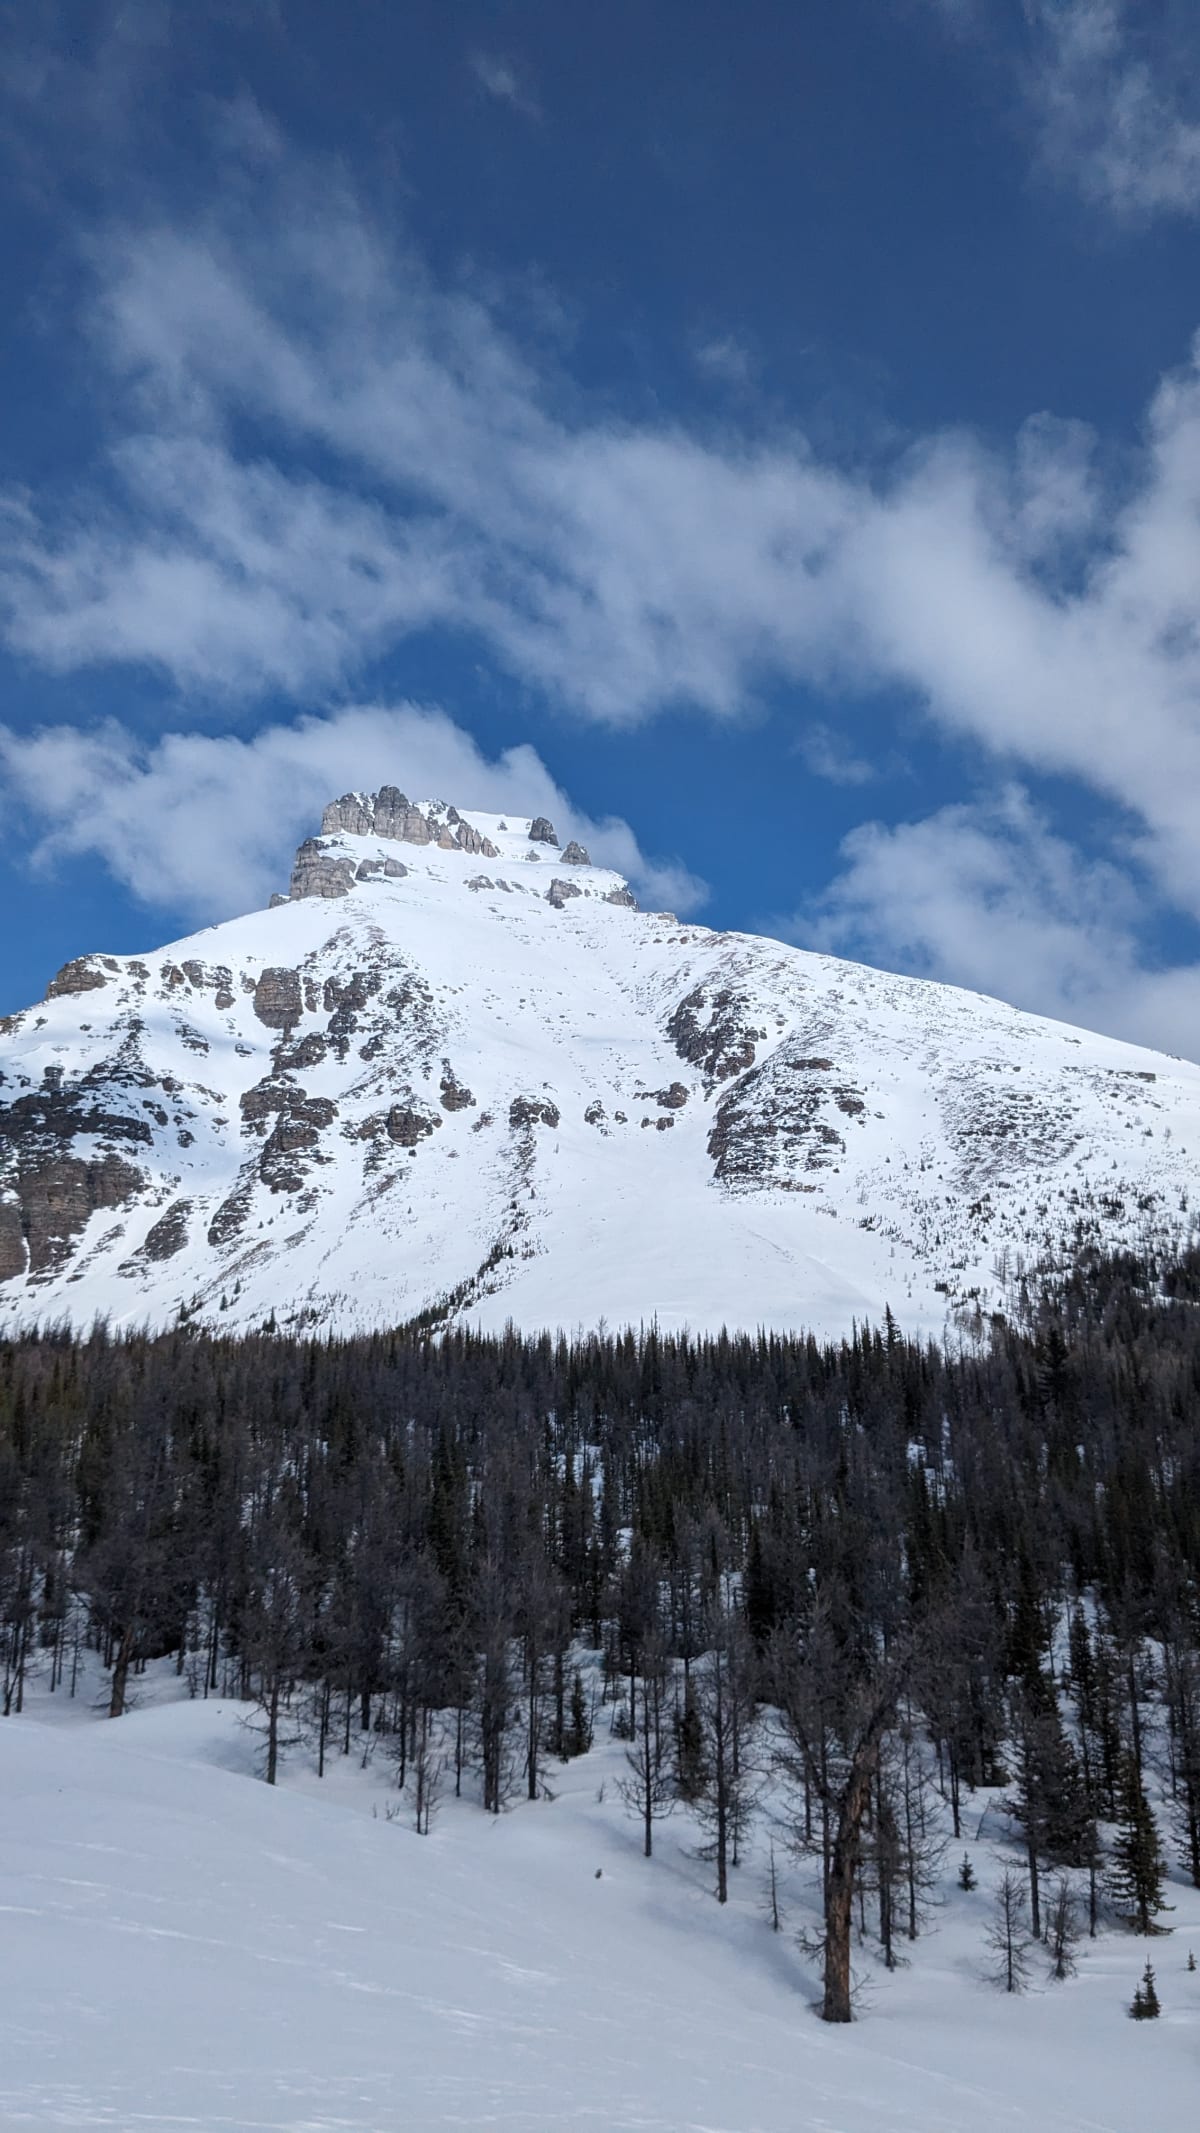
<point>183,1946</point>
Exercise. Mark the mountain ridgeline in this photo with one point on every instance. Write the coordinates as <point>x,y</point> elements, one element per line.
<point>454,1075</point>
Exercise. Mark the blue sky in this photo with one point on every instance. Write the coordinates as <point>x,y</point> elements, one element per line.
<point>766,437</point>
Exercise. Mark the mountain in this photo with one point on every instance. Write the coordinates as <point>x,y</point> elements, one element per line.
<point>457,1073</point>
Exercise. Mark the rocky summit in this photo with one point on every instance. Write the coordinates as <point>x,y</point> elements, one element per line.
<point>455,1073</point>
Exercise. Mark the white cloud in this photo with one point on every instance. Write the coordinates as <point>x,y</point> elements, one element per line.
<point>1106,90</point>
<point>985,895</point>
<point>500,78</point>
<point>206,824</point>
<point>411,467</point>
<point>1119,112</point>
<point>828,755</point>
<point>725,359</point>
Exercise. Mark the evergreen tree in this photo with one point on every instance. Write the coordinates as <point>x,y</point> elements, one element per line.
<point>1137,1868</point>
<point>1146,2006</point>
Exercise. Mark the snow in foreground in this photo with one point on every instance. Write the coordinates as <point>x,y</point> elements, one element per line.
<point>181,1946</point>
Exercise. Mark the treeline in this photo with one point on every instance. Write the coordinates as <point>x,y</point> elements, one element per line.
<point>978,1566</point>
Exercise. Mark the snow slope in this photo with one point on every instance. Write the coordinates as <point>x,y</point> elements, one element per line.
<point>478,1086</point>
<point>181,1946</point>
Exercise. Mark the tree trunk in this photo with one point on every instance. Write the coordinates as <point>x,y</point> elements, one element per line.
<point>839,1885</point>
<point>120,1679</point>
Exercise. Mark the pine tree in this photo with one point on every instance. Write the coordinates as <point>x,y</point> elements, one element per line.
<point>1146,2005</point>
<point>1138,1868</point>
<point>966,1874</point>
<point>577,1733</point>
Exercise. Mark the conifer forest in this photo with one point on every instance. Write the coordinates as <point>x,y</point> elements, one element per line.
<point>881,1575</point>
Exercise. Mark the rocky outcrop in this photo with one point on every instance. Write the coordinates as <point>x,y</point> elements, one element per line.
<point>319,872</point>
<point>389,813</point>
<point>576,855</point>
<point>716,1031</point>
<point>12,1239</point>
<point>56,1197</point>
<point>780,1120</point>
<point>672,1099</point>
<point>407,1126</point>
<point>454,1096</point>
<point>532,1111</point>
<point>169,1234</point>
<point>389,869</point>
<point>81,975</point>
<point>230,1218</point>
<point>469,839</point>
<point>560,891</point>
<point>542,832</point>
<point>278,1002</point>
<point>623,896</point>
<point>297,1121</point>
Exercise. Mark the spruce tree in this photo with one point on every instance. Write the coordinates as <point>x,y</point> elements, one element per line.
<point>1137,1868</point>
<point>1146,2005</point>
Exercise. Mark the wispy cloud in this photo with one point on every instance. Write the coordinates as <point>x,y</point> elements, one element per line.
<point>1118,102</point>
<point>501,78</point>
<point>206,823</point>
<point>985,894</point>
<point>829,755</point>
<point>1109,91</point>
<point>316,450</point>
<point>726,359</point>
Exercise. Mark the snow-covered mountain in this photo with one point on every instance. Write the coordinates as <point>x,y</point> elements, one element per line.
<point>456,1072</point>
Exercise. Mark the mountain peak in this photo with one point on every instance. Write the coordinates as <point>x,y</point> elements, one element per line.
<point>444,1079</point>
<point>344,854</point>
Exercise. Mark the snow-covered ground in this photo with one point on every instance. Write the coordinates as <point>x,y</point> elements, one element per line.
<point>183,1947</point>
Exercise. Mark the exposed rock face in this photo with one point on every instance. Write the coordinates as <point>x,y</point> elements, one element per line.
<point>469,839</point>
<point>354,813</point>
<point>389,813</point>
<point>541,831</point>
<point>454,1096</point>
<point>169,1234</point>
<point>780,1120</point>
<point>532,1111</point>
<point>406,1125</point>
<point>672,1099</point>
<point>317,872</point>
<point>559,891</point>
<point>715,1031</point>
<point>80,975</point>
<point>624,897</point>
<point>230,1218</point>
<point>277,998</point>
<point>12,1239</point>
<point>298,1122</point>
<point>576,855</point>
<point>390,869</point>
<point>55,1198</point>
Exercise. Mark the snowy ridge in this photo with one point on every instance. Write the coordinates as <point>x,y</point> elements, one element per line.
<point>456,1073</point>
